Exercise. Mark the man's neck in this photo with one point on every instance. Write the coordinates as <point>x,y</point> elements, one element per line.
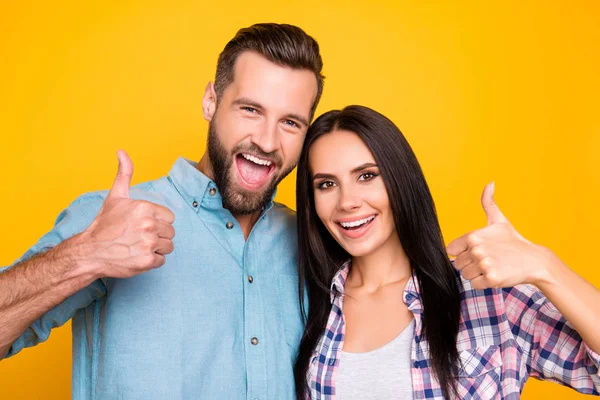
<point>247,222</point>
<point>205,166</point>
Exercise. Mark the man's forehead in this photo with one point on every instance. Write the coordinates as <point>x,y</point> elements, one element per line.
<point>261,80</point>
<point>248,59</point>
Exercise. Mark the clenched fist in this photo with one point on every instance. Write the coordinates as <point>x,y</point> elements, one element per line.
<point>127,237</point>
<point>497,255</point>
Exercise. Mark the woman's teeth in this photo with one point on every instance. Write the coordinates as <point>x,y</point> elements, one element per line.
<point>354,224</point>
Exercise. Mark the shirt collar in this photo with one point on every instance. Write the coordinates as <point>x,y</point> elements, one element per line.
<point>411,290</point>
<point>191,184</point>
<point>339,281</point>
<point>198,189</point>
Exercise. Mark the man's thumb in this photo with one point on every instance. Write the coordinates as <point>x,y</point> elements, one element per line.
<point>122,182</point>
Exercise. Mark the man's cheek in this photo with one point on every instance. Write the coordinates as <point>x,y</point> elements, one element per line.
<point>292,149</point>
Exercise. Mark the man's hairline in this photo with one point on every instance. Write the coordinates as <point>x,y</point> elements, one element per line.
<point>235,63</point>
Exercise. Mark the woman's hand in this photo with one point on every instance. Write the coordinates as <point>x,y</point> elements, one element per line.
<point>498,256</point>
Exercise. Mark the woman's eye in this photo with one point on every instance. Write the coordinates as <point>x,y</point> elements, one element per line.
<point>325,185</point>
<point>367,176</point>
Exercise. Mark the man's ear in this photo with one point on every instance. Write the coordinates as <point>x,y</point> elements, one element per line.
<point>209,102</point>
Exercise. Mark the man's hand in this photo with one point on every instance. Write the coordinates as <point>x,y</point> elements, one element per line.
<point>127,237</point>
<point>497,255</point>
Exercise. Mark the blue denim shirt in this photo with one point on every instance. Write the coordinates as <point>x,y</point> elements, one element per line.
<point>197,327</point>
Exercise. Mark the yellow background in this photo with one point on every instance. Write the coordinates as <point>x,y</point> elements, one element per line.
<point>483,90</point>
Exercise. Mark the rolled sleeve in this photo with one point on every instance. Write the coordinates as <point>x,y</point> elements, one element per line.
<point>553,349</point>
<point>71,221</point>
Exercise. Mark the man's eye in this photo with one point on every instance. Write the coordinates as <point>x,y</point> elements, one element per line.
<point>249,109</point>
<point>291,123</point>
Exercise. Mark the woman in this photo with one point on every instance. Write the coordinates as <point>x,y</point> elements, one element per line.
<point>390,316</point>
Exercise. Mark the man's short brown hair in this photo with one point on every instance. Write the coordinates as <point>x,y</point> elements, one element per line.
<point>282,44</point>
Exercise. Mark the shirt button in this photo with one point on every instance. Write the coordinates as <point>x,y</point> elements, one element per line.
<point>254,341</point>
<point>250,278</point>
<point>195,204</point>
<point>212,191</point>
<point>229,225</point>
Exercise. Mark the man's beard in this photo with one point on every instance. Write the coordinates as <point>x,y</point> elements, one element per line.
<point>236,199</point>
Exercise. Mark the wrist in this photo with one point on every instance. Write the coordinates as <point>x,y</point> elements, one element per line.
<point>77,252</point>
<point>548,271</point>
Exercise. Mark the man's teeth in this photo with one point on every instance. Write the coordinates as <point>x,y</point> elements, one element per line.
<point>256,160</point>
<point>354,224</point>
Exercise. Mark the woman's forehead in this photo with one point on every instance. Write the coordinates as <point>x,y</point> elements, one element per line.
<point>339,150</point>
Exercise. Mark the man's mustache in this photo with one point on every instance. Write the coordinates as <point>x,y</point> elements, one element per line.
<point>257,151</point>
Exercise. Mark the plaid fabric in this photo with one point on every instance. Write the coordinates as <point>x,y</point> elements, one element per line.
<point>505,336</point>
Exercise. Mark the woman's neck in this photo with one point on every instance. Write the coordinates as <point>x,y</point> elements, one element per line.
<point>386,265</point>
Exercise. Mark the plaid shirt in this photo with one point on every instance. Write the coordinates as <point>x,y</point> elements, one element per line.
<point>505,336</point>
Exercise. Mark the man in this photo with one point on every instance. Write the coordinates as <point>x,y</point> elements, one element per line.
<point>220,317</point>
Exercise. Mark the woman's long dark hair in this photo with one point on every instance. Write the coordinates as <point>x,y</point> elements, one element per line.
<point>320,256</point>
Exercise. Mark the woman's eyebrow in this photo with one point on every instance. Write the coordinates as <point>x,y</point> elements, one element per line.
<point>363,166</point>
<point>354,170</point>
<point>323,176</point>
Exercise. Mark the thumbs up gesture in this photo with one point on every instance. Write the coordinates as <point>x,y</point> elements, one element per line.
<point>497,255</point>
<point>127,237</point>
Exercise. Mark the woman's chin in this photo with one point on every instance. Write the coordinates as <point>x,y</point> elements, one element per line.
<point>358,250</point>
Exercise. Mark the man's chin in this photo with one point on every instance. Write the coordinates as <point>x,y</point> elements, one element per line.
<point>242,201</point>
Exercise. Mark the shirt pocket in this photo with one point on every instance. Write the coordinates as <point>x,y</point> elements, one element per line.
<point>289,308</point>
<point>480,372</point>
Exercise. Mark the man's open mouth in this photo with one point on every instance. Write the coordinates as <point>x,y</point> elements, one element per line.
<point>254,171</point>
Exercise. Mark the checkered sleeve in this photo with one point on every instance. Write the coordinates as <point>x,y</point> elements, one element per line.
<point>551,347</point>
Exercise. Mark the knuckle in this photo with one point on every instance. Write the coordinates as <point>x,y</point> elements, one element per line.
<point>478,251</point>
<point>492,279</point>
<point>473,239</point>
<point>485,264</point>
<point>143,207</point>
<point>147,246</point>
<point>147,224</point>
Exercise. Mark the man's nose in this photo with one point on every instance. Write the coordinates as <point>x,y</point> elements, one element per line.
<point>267,137</point>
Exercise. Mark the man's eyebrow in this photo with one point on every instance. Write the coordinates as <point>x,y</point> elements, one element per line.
<point>247,102</point>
